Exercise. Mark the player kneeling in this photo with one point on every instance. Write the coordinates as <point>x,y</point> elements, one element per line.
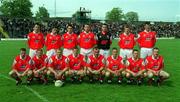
<point>58,66</point>
<point>21,67</point>
<point>40,62</point>
<point>114,66</point>
<point>135,68</point>
<point>95,65</point>
<point>76,66</point>
<point>155,65</point>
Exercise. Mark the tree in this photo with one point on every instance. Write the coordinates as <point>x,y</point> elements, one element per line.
<point>42,13</point>
<point>131,16</point>
<point>116,14</point>
<point>16,8</point>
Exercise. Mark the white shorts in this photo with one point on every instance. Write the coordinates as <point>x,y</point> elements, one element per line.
<point>126,52</point>
<point>86,52</point>
<point>145,52</point>
<point>32,53</point>
<point>67,52</point>
<point>51,52</point>
<point>105,53</point>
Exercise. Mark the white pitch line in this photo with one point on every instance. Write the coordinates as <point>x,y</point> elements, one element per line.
<point>30,89</point>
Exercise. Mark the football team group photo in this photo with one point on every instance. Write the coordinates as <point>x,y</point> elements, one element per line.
<point>89,50</point>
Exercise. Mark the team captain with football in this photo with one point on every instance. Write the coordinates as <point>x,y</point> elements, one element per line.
<point>93,62</point>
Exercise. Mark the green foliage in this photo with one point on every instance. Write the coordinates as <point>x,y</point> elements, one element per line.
<point>115,15</point>
<point>16,8</point>
<point>42,13</point>
<point>131,16</point>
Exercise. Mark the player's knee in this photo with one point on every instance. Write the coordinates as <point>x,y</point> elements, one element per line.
<point>81,73</point>
<point>127,75</point>
<point>165,75</point>
<point>66,73</point>
<point>102,72</point>
<point>87,72</point>
<point>150,75</point>
<point>123,73</point>
<point>29,73</point>
<point>107,74</point>
<point>48,72</point>
<point>12,73</point>
<point>144,75</point>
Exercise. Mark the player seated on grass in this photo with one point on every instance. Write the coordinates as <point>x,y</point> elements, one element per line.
<point>155,65</point>
<point>96,65</point>
<point>58,66</point>
<point>39,65</point>
<point>76,65</point>
<point>114,66</point>
<point>135,68</point>
<point>21,67</point>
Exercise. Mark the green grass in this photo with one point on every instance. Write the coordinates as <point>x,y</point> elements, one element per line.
<point>168,92</point>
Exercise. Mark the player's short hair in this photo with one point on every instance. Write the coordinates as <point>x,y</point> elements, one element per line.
<point>127,26</point>
<point>86,24</point>
<point>114,48</point>
<point>155,48</point>
<point>135,50</point>
<point>95,47</point>
<point>39,50</point>
<point>69,25</point>
<point>37,23</point>
<point>22,49</point>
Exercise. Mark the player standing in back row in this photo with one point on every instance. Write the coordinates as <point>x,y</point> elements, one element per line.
<point>146,40</point>
<point>87,40</point>
<point>35,40</point>
<point>126,42</point>
<point>69,41</point>
<point>104,41</point>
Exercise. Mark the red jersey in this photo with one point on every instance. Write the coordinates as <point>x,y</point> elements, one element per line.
<point>87,40</point>
<point>96,63</point>
<point>76,63</point>
<point>53,41</point>
<point>58,63</point>
<point>155,64</point>
<point>147,39</point>
<point>39,63</point>
<point>69,40</point>
<point>114,64</point>
<point>35,41</point>
<point>20,64</point>
<point>135,66</point>
<point>127,41</point>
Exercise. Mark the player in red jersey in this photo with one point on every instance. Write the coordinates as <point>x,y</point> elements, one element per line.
<point>76,65</point>
<point>39,66</point>
<point>96,65</point>
<point>86,40</point>
<point>35,40</point>
<point>114,66</point>
<point>146,41</point>
<point>135,70</point>
<point>58,66</point>
<point>155,65</point>
<point>126,42</point>
<point>69,41</point>
<point>53,42</point>
<point>21,67</point>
